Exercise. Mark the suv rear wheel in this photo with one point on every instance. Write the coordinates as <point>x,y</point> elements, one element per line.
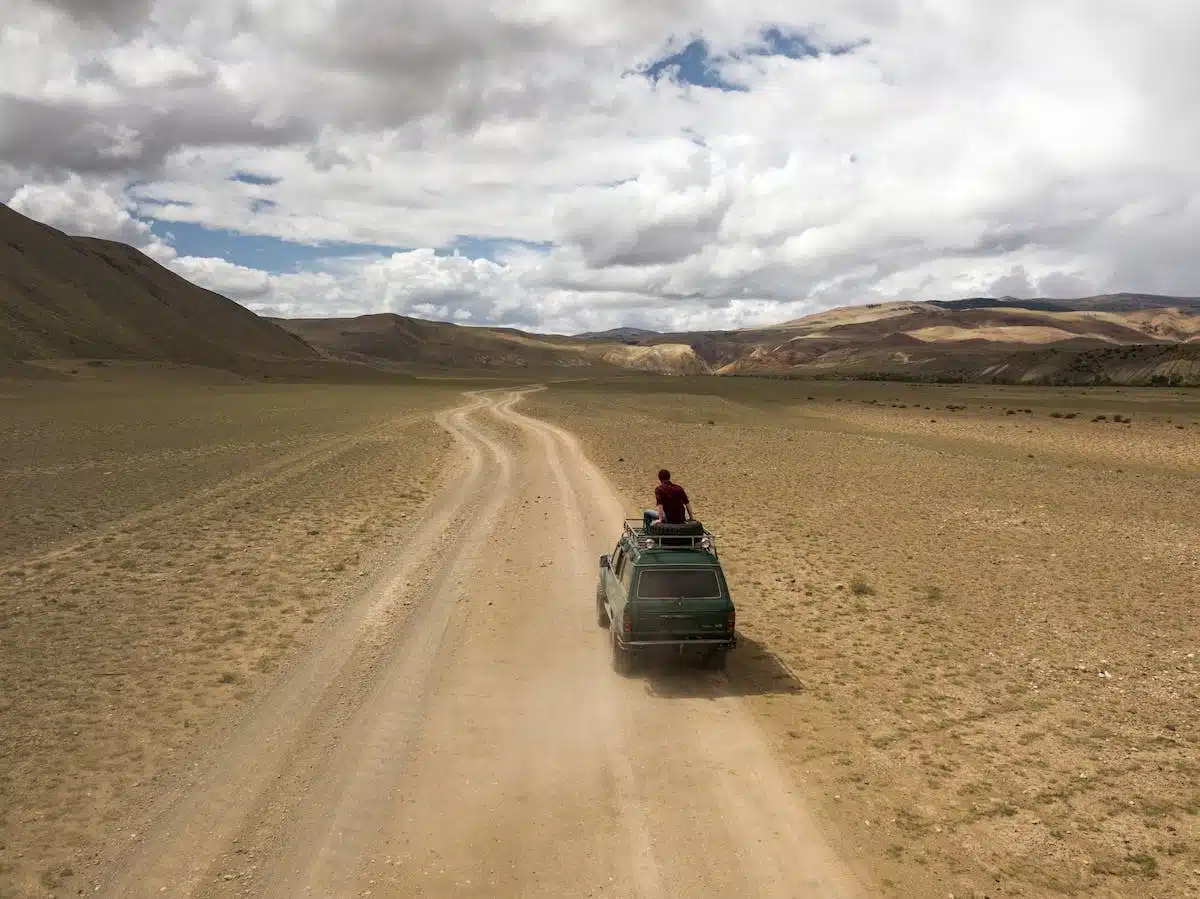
<point>601,609</point>
<point>622,659</point>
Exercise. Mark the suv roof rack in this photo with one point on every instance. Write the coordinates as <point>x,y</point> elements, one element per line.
<point>705,541</point>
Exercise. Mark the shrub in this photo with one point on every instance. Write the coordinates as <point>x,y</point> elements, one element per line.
<point>860,587</point>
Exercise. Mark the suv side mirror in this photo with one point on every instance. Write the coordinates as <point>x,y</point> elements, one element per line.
<point>605,561</point>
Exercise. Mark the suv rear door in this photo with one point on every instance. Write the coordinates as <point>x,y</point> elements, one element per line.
<point>681,603</point>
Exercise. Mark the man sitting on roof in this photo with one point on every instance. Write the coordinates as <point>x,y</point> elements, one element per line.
<point>673,504</point>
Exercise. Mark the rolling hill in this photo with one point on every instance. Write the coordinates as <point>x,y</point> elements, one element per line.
<point>622,335</point>
<point>410,344</point>
<point>1121,338</point>
<point>65,297</point>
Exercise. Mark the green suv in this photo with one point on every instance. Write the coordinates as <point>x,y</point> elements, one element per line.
<point>663,589</point>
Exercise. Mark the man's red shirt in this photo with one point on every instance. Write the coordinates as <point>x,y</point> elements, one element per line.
<point>672,498</point>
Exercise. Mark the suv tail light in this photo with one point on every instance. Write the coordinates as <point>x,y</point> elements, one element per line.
<point>729,625</point>
<point>626,621</point>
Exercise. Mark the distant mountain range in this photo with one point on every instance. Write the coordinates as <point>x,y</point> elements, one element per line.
<point>78,298</point>
<point>1113,302</point>
<point>1117,338</point>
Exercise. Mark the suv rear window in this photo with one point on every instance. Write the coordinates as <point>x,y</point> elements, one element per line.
<point>695,583</point>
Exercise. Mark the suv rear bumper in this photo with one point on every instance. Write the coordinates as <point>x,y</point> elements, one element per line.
<point>708,642</point>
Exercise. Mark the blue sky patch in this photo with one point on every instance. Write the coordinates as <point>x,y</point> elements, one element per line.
<point>696,65</point>
<point>776,43</point>
<point>269,254</point>
<point>691,65</point>
<point>252,178</point>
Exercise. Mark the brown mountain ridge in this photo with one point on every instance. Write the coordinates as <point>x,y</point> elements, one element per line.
<point>1120,338</point>
<point>82,298</point>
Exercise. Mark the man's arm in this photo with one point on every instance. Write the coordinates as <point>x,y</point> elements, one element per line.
<point>691,514</point>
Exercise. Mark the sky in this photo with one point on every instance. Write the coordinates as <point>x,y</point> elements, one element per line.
<point>567,166</point>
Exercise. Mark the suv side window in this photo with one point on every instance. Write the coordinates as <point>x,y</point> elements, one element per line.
<point>619,562</point>
<point>626,573</point>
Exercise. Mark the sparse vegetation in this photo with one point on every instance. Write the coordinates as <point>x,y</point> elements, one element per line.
<point>860,587</point>
<point>174,517</point>
<point>965,683</point>
<point>1139,864</point>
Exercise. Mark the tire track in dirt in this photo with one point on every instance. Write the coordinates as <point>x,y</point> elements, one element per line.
<point>189,830</point>
<point>513,788</point>
<point>614,714</point>
<point>696,754</point>
<point>343,808</point>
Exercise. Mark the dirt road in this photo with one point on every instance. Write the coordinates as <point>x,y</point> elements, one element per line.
<point>459,731</point>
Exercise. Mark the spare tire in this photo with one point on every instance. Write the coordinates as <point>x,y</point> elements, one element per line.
<point>686,529</point>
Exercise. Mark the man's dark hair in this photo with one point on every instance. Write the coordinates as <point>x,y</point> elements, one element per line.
<point>664,475</point>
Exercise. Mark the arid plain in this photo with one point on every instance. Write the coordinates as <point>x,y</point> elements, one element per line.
<point>968,613</point>
<point>971,613</point>
<point>164,549</point>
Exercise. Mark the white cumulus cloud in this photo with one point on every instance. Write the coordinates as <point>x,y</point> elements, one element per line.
<point>88,208</point>
<point>1032,147</point>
